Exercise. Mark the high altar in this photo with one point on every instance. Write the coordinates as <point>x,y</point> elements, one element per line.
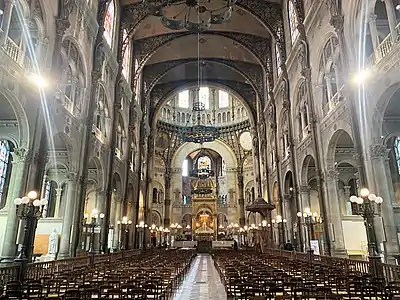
<point>204,208</point>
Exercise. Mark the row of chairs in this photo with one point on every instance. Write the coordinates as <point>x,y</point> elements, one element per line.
<point>153,275</point>
<point>250,275</point>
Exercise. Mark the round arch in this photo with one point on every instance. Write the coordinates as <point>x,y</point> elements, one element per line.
<point>172,37</point>
<point>223,62</point>
<point>164,99</point>
<point>344,128</point>
<point>274,30</point>
<point>217,145</point>
<point>23,140</point>
<point>308,160</point>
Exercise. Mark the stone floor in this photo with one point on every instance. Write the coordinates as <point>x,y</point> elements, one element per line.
<point>202,282</point>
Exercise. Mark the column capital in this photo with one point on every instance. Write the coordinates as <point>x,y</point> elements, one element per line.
<point>372,17</point>
<point>21,155</point>
<point>379,151</point>
<point>72,177</point>
<point>331,173</point>
<point>304,188</point>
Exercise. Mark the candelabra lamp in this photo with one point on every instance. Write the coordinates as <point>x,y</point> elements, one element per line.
<point>141,227</point>
<point>280,223</point>
<point>29,209</point>
<point>309,219</point>
<point>123,232</point>
<point>90,223</point>
<point>369,205</point>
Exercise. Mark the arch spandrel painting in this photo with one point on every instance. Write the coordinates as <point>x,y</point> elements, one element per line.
<point>162,142</point>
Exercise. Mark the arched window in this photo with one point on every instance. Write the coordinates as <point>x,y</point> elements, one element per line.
<point>5,167</point>
<point>51,197</point>
<point>223,98</point>
<point>125,55</point>
<point>185,168</point>
<point>109,23</point>
<point>204,96</point>
<point>397,152</point>
<point>183,99</point>
<point>278,59</point>
<point>293,22</point>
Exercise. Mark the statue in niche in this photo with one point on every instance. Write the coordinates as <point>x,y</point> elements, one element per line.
<point>53,243</point>
<point>248,196</point>
<point>160,197</point>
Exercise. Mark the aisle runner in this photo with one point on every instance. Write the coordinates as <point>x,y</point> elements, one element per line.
<point>203,282</point>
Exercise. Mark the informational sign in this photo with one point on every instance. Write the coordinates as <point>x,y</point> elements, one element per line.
<point>315,246</point>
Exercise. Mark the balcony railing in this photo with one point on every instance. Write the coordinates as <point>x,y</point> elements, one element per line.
<point>12,49</point>
<point>384,48</point>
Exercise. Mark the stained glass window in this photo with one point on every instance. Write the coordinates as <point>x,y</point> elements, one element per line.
<point>293,23</point>
<point>278,59</point>
<point>204,96</point>
<point>125,55</point>
<point>4,163</point>
<point>109,23</point>
<point>397,152</point>
<point>223,99</point>
<point>183,99</point>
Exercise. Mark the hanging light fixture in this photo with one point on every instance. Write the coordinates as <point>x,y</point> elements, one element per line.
<point>192,15</point>
<point>199,132</point>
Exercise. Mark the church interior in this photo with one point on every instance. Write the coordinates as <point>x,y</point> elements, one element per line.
<point>199,149</point>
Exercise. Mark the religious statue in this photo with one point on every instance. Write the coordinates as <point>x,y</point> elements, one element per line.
<point>53,243</point>
<point>248,196</point>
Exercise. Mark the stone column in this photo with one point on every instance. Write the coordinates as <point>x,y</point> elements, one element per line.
<point>167,200</point>
<point>20,161</point>
<point>117,209</point>
<point>58,202</point>
<point>380,164</point>
<point>390,11</point>
<point>334,220</point>
<point>9,4</point>
<point>68,216</point>
<point>242,216</point>
<point>347,199</point>
<point>256,164</point>
<point>374,34</point>
<point>329,89</point>
<point>305,197</point>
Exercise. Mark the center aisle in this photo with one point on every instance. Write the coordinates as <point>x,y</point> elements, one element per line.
<point>202,282</point>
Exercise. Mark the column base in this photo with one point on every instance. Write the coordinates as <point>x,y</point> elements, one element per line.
<point>340,253</point>
<point>7,260</point>
<point>63,256</point>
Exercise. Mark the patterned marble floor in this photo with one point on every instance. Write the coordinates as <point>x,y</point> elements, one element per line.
<point>202,282</point>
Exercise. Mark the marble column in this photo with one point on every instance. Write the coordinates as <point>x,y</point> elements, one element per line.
<point>390,11</point>
<point>380,165</point>
<point>242,216</point>
<point>20,161</point>
<point>68,216</point>
<point>374,34</point>
<point>334,221</point>
<point>8,8</point>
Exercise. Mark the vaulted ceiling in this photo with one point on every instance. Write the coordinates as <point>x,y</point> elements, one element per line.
<point>236,54</point>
